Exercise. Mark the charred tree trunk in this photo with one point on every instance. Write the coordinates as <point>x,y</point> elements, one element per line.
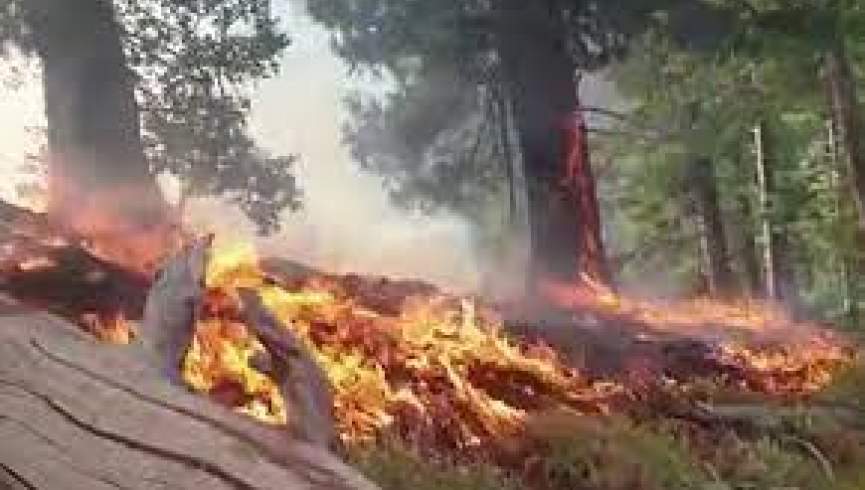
<point>97,163</point>
<point>845,112</point>
<point>779,277</point>
<point>539,72</point>
<point>713,237</point>
<point>581,179</point>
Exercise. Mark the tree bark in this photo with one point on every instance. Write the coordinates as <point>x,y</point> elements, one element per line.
<point>562,207</point>
<point>98,174</point>
<point>506,150</point>
<point>780,281</point>
<point>748,254</point>
<point>592,260</point>
<point>850,263</point>
<point>846,114</point>
<point>721,282</point>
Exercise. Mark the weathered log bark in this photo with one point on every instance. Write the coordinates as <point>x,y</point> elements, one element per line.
<point>300,379</point>
<point>75,414</point>
<point>172,305</point>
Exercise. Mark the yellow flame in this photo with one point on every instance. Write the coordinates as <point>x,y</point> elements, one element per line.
<point>439,362</point>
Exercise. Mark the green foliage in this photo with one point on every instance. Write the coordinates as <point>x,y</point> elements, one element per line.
<point>688,102</point>
<point>848,389</point>
<point>196,61</point>
<point>439,138</point>
<point>816,450</point>
<point>767,463</point>
<point>434,141</point>
<point>607,454</point>
<point>394,467</point>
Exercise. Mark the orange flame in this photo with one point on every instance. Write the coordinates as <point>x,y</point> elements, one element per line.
<point>441,370</point>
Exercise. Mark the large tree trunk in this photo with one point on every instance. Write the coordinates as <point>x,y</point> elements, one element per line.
<point>778,274</point>
<point>563,221</point>
<point>713,238</point>
<point>100,183</point>
<point>846,114</point>
<point>592,259</point>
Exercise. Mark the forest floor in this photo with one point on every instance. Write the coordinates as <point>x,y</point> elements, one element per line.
<point>610,392</point>
<point>434,391</point>
<point>720,396</point>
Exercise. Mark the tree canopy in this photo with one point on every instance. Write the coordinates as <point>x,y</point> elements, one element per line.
<point>195,64</point>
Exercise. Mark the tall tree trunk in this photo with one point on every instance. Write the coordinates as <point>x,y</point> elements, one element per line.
<point>780,279</point>
<point>850,261</point>
<point>713,238</point>
<point>565,243</point>
<point>745,230</point>
<point>580,180</point>
<point>507,154</point>
<point>748,255</point>
<point>99,177</point>
<point>847,117</point>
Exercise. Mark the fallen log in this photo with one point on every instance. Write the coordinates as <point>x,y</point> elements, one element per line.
<point>76,414</point>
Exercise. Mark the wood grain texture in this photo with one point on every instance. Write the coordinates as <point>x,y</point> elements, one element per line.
<point>78,414</point>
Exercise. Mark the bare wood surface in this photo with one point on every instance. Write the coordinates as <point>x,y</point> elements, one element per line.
<point>301,381</point>
<point>75,414</point>
<point>172,305</point>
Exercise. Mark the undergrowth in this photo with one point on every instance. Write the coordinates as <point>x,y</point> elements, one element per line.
<point>818,445</point>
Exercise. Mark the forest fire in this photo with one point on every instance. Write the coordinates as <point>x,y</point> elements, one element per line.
<point>402,358</point>
<point>441,370</point>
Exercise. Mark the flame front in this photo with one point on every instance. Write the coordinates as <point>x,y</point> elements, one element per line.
<point>434,369</point>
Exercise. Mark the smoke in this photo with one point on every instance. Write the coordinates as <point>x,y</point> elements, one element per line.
<point>347,223</point>
<point>21,117</point>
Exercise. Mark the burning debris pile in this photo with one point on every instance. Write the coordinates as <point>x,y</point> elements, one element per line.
<point>51,268</point>
<point>444,373</point>
<point>441,371</point>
